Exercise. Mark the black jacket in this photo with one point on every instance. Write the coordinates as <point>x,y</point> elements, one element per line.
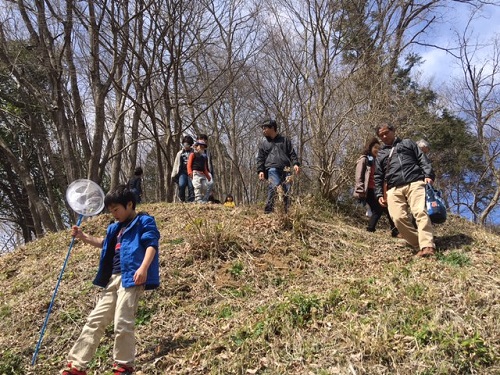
<point>276,153</point>
<point>407,164</point>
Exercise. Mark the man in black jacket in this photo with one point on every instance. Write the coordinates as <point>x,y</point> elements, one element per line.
<point>402,172</point>
<point>274,160</point>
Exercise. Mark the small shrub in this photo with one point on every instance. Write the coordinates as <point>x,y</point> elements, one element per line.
<point>302,308</point>
<point>297,311</point>
<point>236,269</point>
<point>210,239</point>
<point>11,364</point>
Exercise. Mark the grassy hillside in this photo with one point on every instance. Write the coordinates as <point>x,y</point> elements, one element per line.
<point>248,293</point>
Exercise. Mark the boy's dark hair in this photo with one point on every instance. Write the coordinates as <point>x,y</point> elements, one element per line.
<point>369,144</point>
<point>229,196</point>
<point>188,139</point>
<point>269,123</point>
<point>383,124</point>
<point>120,195</point>
<point>138,171</point>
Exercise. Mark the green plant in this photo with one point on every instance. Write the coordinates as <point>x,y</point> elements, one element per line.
<point>302,308</point>
<point>333,299</point>
<point>71,315</point>
<point>176,241</point>
<point>244,334</point>
<point>144,314</point>
<point>278,281</point>
<point>101,355</point>
<point>5,311</point>
<point>11,364</point>
<point>226,312</point>
<point>415,291</point>
<point>243,291</point>
<point>455,258</point>
<point>236,269</point>
<point>475,352</point>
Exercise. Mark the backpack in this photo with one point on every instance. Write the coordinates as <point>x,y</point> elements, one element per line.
<point>435,205</point>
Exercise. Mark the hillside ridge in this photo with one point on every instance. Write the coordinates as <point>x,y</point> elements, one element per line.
<point>241,292</point>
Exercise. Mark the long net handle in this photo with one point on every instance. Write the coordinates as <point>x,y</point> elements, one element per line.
<point>42,332</point>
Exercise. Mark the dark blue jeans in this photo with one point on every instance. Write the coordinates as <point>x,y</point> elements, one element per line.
<point>276,177</point>
<point>185,181</point>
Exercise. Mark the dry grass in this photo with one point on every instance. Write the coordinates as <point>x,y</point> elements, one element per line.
<point>247,293</point>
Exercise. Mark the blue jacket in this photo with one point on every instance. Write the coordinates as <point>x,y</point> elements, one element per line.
<point>139,235</point>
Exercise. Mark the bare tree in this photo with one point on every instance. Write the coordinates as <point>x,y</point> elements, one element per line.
<point>477,97</point>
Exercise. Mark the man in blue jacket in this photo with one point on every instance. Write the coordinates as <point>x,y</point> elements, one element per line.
<point>275,158</point>
<point>400,177</point>
<point>129,264</point>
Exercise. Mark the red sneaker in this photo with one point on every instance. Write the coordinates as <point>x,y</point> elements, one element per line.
<point>122,369</point>
<point>73,371</point>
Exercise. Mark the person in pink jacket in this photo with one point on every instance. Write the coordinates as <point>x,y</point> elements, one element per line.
<point>365,185</point>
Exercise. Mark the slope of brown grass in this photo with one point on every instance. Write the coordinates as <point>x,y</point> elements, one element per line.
<point>248,293</point>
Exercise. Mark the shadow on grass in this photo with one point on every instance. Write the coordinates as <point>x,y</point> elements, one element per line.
<point>168,345</point>
<point>452,242</point>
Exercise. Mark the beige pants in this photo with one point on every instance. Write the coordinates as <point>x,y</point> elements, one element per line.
<point>412,197</point>
<point>200,182</point>
<point>118,305</point>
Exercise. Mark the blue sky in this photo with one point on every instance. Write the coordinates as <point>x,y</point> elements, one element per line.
<point>439,66</point>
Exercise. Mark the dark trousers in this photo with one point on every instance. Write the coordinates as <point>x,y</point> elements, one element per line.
<point>185,182</point>
<point>377,211</point>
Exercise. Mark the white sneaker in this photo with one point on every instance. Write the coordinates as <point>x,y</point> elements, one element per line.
<point>368,211</point>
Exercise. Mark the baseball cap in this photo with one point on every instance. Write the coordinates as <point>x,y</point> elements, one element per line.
<point>201,143</point>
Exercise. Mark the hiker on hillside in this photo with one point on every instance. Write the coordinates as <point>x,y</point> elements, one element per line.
<point>135,184</point>
<point>275,158</point>
<point>424,146</point>
<point>229,201</point>
<point>179,171</point>
<point>402,171</point>
<point>129,264</point>
<point>206,153</point>
<point>197,167</point>
<point>365,186</point>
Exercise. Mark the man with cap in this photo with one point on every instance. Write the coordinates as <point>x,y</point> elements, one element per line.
<point>275,158</point>
<point>197,167</point>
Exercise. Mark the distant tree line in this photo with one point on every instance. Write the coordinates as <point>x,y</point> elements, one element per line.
<point>92,89</point>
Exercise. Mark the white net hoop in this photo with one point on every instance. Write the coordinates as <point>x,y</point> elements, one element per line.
<point>85,197</point>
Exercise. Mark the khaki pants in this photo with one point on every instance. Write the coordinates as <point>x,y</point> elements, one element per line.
<point>118,305</point>
<point>412,197</point>
<point>200,186</point>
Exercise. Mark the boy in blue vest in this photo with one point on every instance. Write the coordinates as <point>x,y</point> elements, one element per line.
<point>129,264</point>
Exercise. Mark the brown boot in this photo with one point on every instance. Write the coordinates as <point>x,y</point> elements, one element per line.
<point>426,252</point>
